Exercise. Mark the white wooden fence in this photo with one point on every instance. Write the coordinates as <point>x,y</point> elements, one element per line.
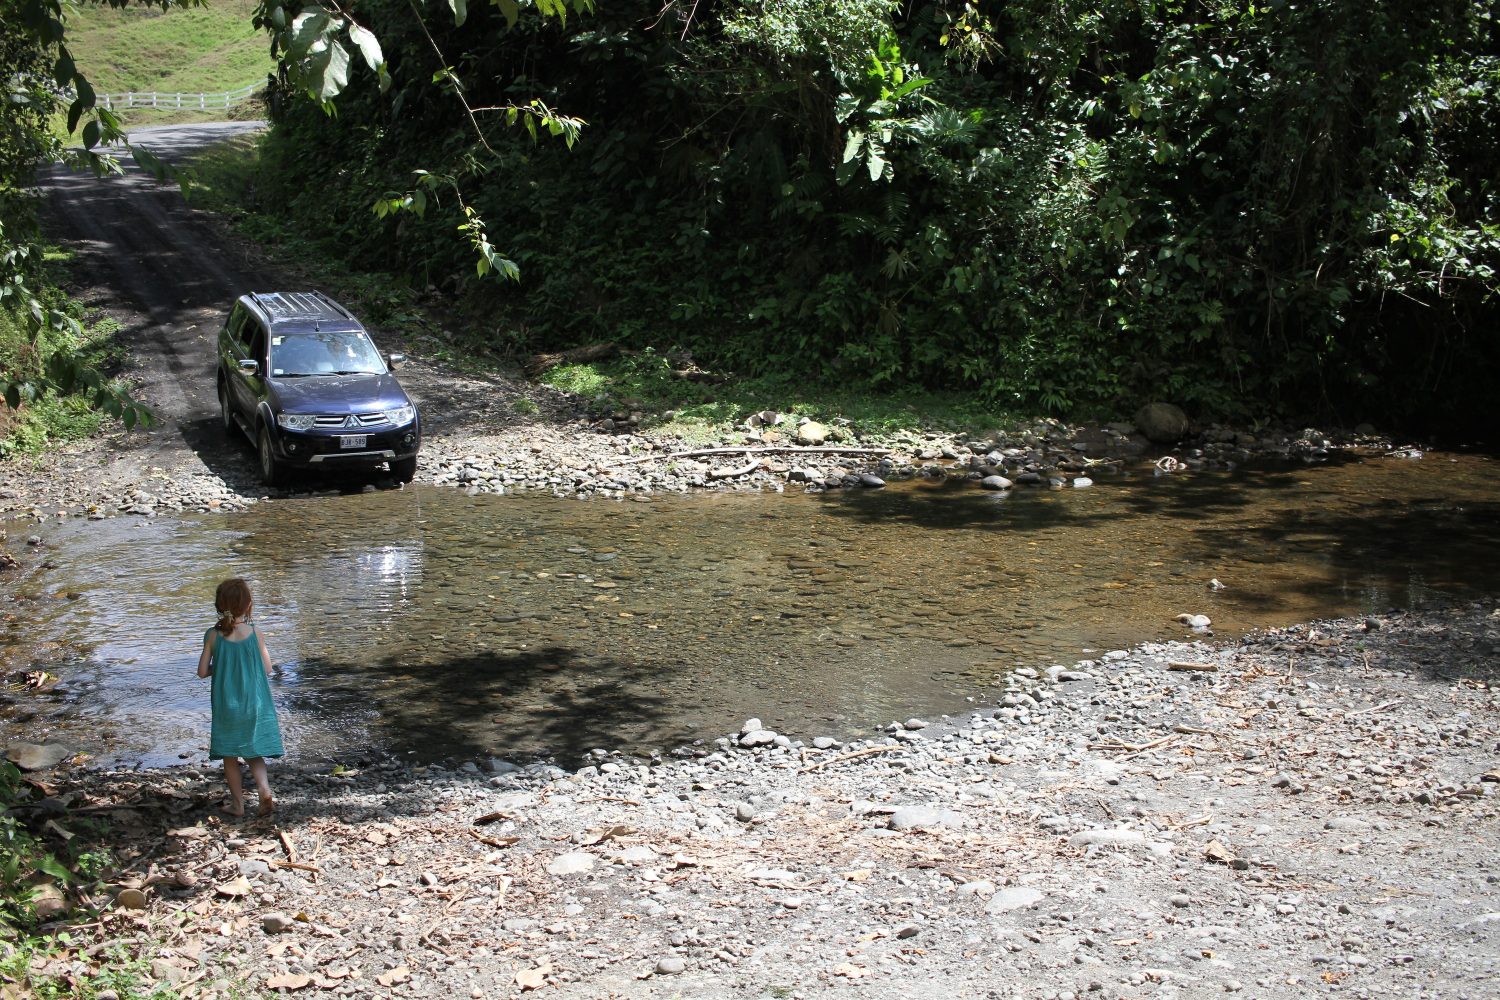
<point>178,102</point>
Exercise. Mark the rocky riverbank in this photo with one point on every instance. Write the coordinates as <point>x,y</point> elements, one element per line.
<point>498,434</point>
<point>1308,811</point>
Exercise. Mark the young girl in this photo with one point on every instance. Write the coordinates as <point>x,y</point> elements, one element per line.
<point>244,720</point>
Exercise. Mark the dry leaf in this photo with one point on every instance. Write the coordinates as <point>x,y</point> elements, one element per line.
<point>857,875</point>
<point>850,971</point>
<point>289,981</point>
<point>493,817</point>
<point>376,837</point>
<point>613,833</point>
<point>1215,851</point>
<point>235,887</point>
<point>494,841</point>
<point>399,974</point>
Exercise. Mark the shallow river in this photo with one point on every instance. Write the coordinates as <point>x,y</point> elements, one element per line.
<point>429,623</point>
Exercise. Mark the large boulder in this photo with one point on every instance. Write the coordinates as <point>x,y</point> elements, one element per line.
<point>37,756</point>
<point>1162,423</point>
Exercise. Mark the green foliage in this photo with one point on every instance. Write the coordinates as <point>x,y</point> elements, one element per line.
<point>1242,208</point>
<point>117,971</point>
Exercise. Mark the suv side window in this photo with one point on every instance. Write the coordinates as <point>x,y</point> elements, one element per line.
<point>258,344</point>
<point>235,326</point>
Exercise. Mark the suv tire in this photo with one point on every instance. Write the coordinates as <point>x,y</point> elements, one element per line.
<point>225,415</point>
<point>271,471</point>
<point>404,469</point>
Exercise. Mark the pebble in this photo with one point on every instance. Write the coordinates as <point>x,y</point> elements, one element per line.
<point>572,863</point>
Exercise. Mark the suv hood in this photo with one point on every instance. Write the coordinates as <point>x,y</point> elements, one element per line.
<point>337,393</point>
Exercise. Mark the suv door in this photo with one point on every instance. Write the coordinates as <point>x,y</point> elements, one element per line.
<point>249,345</point>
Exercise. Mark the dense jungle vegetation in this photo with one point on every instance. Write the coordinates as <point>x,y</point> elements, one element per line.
<point>1070,206</point>
<point>1247,208</point>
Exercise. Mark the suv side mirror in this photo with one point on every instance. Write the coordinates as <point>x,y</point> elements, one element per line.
<point>249,366</point>
<point>395,359</point>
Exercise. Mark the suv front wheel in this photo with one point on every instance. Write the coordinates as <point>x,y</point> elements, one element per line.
<point>404,469</point>
<point>271,471</point>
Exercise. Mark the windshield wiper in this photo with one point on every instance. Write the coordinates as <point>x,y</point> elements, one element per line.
<point>350,372</point>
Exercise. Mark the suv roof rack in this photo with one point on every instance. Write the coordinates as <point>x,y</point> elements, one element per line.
<point>313,306</point>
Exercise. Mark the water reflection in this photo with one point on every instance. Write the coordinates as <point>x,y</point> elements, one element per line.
<point>430,622</point>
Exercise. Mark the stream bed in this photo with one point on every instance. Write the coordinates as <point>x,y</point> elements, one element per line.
<point>432,624</point>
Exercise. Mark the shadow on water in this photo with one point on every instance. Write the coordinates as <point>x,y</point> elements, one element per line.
<point>545,703</point>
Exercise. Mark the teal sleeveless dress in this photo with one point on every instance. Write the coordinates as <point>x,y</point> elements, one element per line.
<point>244,719</point>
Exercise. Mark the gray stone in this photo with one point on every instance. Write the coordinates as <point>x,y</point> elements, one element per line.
<point>1162,423</point>
<point>572,863</point>
<point>995,483</point>
<point>923,818</point>
<point>275,923</point>
<point>870,481</point>
<point>37,756</point>
<point>1108,838</point>
<point>1013,898</point>
<point>670,967</point>
<point>812,433</point>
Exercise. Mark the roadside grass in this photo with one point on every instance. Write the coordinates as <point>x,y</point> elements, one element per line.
<point>208,50</point>
<point>203,50</point>
<point>700,411</point>
<point>222,180</point>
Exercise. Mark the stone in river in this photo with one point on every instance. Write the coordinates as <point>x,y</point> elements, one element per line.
<point>871,481</point>
<point>37,756</point>
<point>1162,423</point>
<point>995,483</point>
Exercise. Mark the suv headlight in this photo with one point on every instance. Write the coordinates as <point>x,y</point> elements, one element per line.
<point>401,415</point>
<point>296,421</point>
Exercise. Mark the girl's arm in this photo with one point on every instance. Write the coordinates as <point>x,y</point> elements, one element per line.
<point>207,654</point>
<point>265,657</point>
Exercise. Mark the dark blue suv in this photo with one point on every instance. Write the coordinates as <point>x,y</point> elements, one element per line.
<point>301,377</point>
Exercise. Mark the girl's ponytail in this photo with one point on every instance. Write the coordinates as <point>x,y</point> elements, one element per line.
<point>232,601</point>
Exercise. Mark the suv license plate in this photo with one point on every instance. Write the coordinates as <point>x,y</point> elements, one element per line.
<point>353,440</point>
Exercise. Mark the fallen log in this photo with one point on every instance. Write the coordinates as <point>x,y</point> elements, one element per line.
<point>539,363</point>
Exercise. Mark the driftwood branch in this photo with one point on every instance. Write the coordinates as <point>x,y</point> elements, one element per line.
<point>850,756</point>
<point>743,470</point>
<point>766,450</point>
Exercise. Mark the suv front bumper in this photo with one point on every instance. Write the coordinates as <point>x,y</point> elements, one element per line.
<point>320,448</point>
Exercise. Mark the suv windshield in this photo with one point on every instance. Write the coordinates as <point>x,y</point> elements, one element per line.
<point>325,352</point>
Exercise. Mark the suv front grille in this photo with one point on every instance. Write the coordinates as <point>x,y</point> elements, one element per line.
<point>350,420</point>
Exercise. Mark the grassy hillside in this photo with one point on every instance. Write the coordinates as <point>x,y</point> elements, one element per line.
<point>208,50</point>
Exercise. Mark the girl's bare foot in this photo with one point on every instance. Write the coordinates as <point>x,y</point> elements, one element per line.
<point>267,806</point>
<point>234,808</point>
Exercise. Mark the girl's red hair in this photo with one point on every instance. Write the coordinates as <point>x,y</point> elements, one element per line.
<point>231,600</point>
